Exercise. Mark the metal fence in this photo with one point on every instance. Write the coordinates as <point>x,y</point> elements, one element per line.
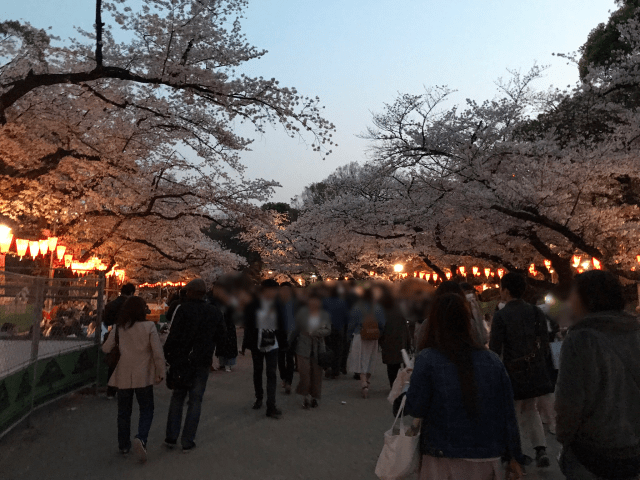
<point>50,334</point>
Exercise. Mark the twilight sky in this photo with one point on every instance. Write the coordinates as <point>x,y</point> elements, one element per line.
<point>357,55</point>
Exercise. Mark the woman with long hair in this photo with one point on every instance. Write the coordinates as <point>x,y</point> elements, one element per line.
<point>462,393</point>
<point>141,365</point>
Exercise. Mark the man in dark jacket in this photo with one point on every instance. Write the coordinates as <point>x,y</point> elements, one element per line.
<point>598,394</point>
<point>196,329</point>
<point>264,334</point>
<point>111,312</point>
<point>519,334</point>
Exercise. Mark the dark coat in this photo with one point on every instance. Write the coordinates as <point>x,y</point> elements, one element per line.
<point>196,330</point>
<point>515,332</point>
<point>112,309</point>
<point>228,348</point>
<point>395,336</point>
<point>598,394</point>
<point>250,340</point>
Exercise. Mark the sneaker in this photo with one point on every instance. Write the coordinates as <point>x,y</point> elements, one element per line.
<point>140,450</point>
<point>124,451</point>
<point>274,413</point>
<point>257,405</point>
<point>188,449</point>
<point>314,403</point>
<point>542,459</point>
<point>169,444</point>
<point>227,369</point>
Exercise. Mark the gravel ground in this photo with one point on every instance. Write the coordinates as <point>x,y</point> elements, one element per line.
<point>76,437</point>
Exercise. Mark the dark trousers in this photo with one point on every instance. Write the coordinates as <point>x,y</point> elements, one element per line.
<point>286,365</point>
<point>125,408</point>
<point>344,354</point>
<point>194,407</point>
<point>335,343</point>
<point>271,359</point>
<point>392,372</point>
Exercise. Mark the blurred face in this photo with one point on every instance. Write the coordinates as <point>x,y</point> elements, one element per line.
<point>314,304</point>
<point>576,307</point>
<point>269,294</point>
<point>285,294</point>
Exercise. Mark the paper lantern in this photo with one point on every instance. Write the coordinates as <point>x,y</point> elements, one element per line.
<point>52,243</point>
<point>532,269</point>
<point>68,260</point>
<point>476,271</point>
<point>435,277</point>
<point>501,272</point>
<point>547,263</point>
<point>44,247</point>
<point>6,237</point>
<point>596,264</point>
<point>487,272</point>
<point>463,271</point>
<point>448,275</point>
<point>21,247</point>
<point>60,249</point>
<point>576,261</point>
<point>427,276</point>
<point>34,248</point>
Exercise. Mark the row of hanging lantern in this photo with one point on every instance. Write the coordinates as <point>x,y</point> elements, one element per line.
<point>41,247</point>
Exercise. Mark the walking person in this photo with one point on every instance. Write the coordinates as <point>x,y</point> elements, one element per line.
<point>141,365</point>
<point>519,334</point>
<point>366,324</point>
<point>264,334</point>
<point>288,305</point>
<point>338,311</point>
<point>111,312</point>
<point>227,350</point>
<point>313,325</point>
<point>462,393</point>
<point>395,336</point>
<point>196,329</point>
<point>479,326</point>
<point>598,392</point>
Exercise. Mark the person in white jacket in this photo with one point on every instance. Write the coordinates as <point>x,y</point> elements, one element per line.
<point>141,365</point>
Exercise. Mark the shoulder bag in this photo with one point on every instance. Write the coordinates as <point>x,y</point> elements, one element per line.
<point>113,357</point>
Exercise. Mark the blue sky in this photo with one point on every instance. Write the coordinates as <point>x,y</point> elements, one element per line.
<point>358,54</point>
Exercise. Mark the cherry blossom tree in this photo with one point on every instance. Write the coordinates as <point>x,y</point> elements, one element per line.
<point>124,137</point>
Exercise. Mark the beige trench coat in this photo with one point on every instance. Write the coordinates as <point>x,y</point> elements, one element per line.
<point>141,356</point>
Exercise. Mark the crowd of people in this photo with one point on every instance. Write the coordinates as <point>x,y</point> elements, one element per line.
<point>483,384</point>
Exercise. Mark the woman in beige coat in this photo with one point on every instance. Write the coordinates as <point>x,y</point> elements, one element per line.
<point>141,365</point>
<point>312,325</point>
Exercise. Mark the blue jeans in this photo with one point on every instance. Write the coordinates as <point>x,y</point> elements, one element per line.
<point>194,407</point>
<point>125,408</point>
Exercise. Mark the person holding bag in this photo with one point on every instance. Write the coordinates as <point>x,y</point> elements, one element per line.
<point>313,324</point>
<point>140,366</point>
<point>463,395</point>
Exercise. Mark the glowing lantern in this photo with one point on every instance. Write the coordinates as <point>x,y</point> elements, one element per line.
<point>60,249</point>
<point>476,271</point>
<point>487,272</point>
<point>52,243</point>
<point>6,237</point>
<point>638,258</point>
<point>398,267</point>
<point>463,271</point>
<point>415,274</point>
<point>576,261</point>
<point>596,264</point>
<point>427,277</point>
<point>448,275</point>
<point>34,248</point>
<point>44,247</point>
<point>21,247</point>
<point>501,272</point>
<point>532,269</point>
<point>68,260</point>
<point>435,277</point>
<point>547,263</point>
<point>371,274</point>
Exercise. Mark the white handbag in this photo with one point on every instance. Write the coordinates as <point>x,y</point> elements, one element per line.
<point>400,456</point>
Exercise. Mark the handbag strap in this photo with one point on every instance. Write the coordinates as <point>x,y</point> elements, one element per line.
<point>400,416</point>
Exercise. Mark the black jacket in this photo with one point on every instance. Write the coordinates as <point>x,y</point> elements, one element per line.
<point>250,341</point>
<point>519,330</point>
<point>196,330</point>
<point>112,309</point>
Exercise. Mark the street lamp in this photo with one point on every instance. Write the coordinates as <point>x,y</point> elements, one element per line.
<point>398,267</point>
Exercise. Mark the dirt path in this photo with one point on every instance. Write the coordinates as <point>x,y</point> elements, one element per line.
<point>76,438</point>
